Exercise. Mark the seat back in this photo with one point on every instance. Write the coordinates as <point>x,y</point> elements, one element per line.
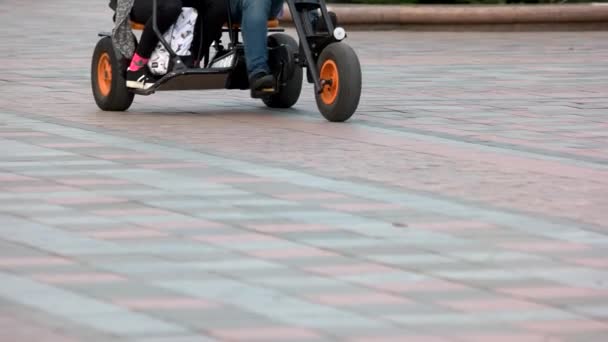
<point>272,23</point>
<point>137,26</point>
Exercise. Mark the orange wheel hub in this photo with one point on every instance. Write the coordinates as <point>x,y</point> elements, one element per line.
<point>104,74</point>
<point>329,73</point>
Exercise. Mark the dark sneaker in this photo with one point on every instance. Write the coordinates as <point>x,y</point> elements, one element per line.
<point>262,84</point>
<point>139,79</point>
<point>320,23</point>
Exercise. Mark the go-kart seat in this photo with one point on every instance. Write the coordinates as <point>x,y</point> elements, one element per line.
<point>137,26</point>
<point>272,23</point>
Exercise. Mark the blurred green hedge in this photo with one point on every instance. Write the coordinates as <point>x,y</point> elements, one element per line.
<point>453,2</point>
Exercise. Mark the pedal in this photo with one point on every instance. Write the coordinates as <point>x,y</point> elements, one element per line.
<point>256,94</point>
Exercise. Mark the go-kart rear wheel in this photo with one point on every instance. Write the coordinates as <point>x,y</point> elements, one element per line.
<point>340,74</point>
<point>290,89</point>
<point>108,78</point>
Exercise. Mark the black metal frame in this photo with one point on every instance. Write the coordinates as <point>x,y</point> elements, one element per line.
<point>311,42</point>
<point>301,11</point>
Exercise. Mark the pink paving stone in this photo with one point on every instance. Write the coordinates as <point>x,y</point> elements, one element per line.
<point>454,225</point>
<point>292,253</point>
<point>135,156</point>
<point>133,212</point>
<point>592,262</point>
<point>119,234</point>
<point>421,286</point>
<point>403,338</point>
<point>19,327</point>
<point>235,238</point>
<point>554,292</point>
<point>168,166</point>
<point>85,200</point>
<point>165,303</point>
<point>265,334</point>
<point>290,227</point>
<point>311,196</point>
<point>355,299</point>
<point>11,262</point>
<point>93,181</point>
<point>183,224</point>
<point>72,145</point>
<point>356,207</point>
<point>483,305</point>
<point>506,338</point>
<point>566,326</point>
<point>77,278</point>
<point>353,269</point>
<point>11,177</point>
<point>545,246</point>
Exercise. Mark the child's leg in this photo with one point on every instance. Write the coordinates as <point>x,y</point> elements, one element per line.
<point>167,13</point>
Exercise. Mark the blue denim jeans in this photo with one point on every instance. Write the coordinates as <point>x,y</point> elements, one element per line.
<point>253,16</point>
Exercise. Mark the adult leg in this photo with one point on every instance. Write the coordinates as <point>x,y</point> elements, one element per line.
<point>212,14</point>
<point>254,17</point>
<point>255,30</point>
<point>216,14</point>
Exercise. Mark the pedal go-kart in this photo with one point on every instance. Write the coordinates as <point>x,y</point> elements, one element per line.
<point>332,66</point>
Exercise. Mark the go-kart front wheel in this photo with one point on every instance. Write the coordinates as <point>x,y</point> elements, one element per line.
<point>108,78</point>
<point>340,74</point>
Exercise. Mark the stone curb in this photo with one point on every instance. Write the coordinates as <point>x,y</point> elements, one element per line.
<point>468,14</point>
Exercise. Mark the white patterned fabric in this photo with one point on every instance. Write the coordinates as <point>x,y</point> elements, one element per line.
<point>180,36</point>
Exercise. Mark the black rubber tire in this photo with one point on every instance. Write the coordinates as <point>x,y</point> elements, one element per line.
<point>289,92</point>
<point>119,97</point>
<point>349,89</point>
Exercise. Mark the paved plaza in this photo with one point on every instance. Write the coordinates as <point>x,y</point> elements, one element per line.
<point>466,200</point>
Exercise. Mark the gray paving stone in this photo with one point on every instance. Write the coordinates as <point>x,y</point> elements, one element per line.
<point>381,277</point>
<point>80,219</point>
<point>218,318</point>
<point>483,274</point>
<point>337,243</point>
<point>599,311</point>
<point>83,310</point>
<point>25,209</point>
<point>412,259</point>
<point>51,239</point>
<point>188,205</point>
<point>166,247</point>
<point>300,284</point>
<point>237,216</point>
<point>574,276</point>
<point>129,324</point>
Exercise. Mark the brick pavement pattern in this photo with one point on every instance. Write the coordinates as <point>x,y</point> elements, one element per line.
<point>465,201</point>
